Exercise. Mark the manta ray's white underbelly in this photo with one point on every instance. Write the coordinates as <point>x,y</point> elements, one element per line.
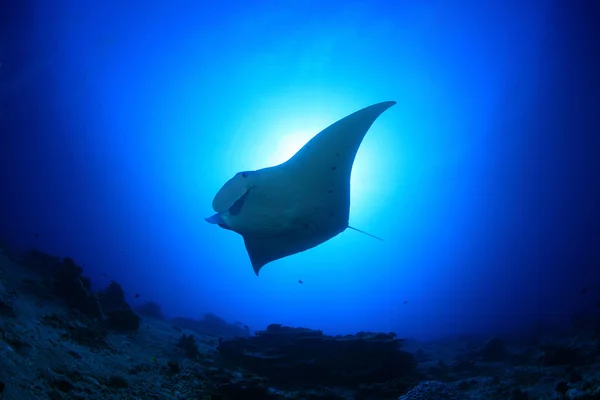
<point>297,216</point>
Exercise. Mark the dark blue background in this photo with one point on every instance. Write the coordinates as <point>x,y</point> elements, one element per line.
<point>118,124</point>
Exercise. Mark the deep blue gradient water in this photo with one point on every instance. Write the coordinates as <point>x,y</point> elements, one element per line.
<point>121,120</point>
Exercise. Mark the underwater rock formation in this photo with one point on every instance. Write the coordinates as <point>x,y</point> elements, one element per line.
<point>288,355</point>
<point>40,262</point>
<point>67,280</point>
<point>212,324</point>
<point>51,347</point>
<point>75,290</point>
<point>151,310</point>
<point>119,314</point>
<point>494,350</point>
<point>189,346</point>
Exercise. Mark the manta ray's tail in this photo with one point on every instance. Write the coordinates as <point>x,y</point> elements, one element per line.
<point>368,234</point>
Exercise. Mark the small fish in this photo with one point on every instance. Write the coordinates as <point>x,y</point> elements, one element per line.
<point>598,304</point>
<point>300,281</point>
<point>583,291</point>
<point>153,359</point>
<point>137,296</point>
<point>405,302</point>
<point>104,274</point>
<point>246,327</point>
<point>37,235</point>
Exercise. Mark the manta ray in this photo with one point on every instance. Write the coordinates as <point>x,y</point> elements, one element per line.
<point>299,204</point>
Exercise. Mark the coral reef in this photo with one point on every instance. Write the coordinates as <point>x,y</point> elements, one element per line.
<point>150,310</point>
<point>287,355</point>
<point>212,324</point>
<point>494,350</point>
<point>119,315</point>
<point>189,346</point>
<point>59,339</point>
<point>75,290</point>
<point>68,281</point>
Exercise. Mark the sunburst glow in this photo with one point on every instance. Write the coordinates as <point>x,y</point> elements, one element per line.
<point>287,145</point>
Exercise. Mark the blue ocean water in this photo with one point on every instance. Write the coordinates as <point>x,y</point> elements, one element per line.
<point>120,121</point>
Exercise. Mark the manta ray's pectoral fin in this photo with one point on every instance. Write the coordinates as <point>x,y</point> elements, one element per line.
<point>263,250</point>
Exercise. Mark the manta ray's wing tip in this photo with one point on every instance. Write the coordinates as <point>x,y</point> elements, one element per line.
<point>384,105</point>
